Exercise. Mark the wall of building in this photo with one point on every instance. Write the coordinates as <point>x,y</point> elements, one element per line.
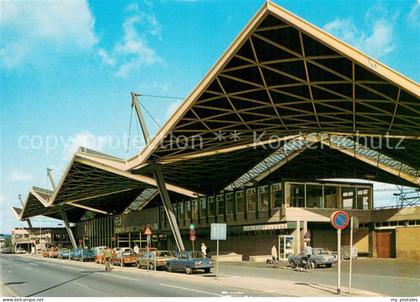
<point>407,243</point>
<point>328,239</point>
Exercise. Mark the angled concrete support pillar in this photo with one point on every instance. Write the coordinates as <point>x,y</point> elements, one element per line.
<point>167,205</point>
<point>67,225</point>
<point>28,221</point>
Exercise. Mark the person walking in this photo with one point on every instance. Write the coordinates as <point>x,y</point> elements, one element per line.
<point>274,253</point>
<point>204,249</point>
<point>136,249</point>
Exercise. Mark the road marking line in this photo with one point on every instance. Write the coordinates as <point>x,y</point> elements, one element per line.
<point>34,264</point>
<point>121,277</point>
<point>80,284</point>
<point>190,289</point>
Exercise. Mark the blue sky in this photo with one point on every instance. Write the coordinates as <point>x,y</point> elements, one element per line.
<point>67,68</point>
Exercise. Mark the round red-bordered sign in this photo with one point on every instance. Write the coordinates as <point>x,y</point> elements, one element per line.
<point>340,220</point>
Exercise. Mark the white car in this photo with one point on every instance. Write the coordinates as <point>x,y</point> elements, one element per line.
<point>20,251</point>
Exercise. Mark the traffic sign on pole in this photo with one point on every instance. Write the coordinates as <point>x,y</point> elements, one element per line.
<point>340,220</point>
<point>148,231</point>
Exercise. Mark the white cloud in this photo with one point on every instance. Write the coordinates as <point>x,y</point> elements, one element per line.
<point>377,40</point>
<point>85,139</point>
<point>106,58</point>
<point>413,16</point>
<point>172,108</point>
<point>134,51</point>
<point>19,176</point>
<point>33,27</point>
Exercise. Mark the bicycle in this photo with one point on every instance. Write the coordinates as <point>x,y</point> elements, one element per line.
<point>272,263</point>
<point>306,264</point>
<point>107,263</point>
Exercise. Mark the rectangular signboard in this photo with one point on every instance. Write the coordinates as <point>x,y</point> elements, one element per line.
<point>265,227</point>
<point>218,231</point>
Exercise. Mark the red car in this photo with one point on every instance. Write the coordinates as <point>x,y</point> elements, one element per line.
<point>125,256</point>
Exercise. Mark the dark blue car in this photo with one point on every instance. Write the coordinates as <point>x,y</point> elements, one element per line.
<point>64,254</point>
<point>189,261</point>
<point>82,254</point>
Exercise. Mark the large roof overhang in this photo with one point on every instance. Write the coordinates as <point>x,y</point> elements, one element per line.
<point>92,182</point>
<point>282,78</point>
<point>36,204</point>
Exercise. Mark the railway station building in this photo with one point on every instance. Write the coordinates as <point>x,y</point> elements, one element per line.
<point>289,125</point>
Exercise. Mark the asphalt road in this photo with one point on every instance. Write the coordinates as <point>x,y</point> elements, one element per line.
<point>388,277</point>
<point>31,277</point>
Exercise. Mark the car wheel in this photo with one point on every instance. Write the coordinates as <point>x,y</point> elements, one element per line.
<point>293,264</point>
<point>207,270</point>
<point>188,270</point>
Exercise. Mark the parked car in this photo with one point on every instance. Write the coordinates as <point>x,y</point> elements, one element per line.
<point>75,253</point>
<point>345,252</point>
<point>53,252</point>
<point>189,261</point>
<point>45,253</point>
<point>155,258</point>
<point>20,251</point>
<point>144,250</point>
<point>86,255</point>
<point>6,250</point>
<point>320,256</point>
<point>125,256</point>
<point>64,254</point>
<point>98,254</point>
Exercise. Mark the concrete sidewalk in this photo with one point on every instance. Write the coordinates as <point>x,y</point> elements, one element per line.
<point>272,287</point>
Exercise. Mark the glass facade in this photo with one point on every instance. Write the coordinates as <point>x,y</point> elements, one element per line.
<point>348,198</point>
<point>212,206</point>
<point>296,196</point>
<point>229,203</point>
<point>276,196</point>
<point>194,209</point>
<point>240,201</point>
<point>203,207</point>
<point>363,199</point>
<point>314,198</point>
<point>180,211</point>
<point>188,209</point>
<point>250,200</point>
<point>220,199</point>
<point>253,200</point>
<point>263,198</point>
<point>328,196</point>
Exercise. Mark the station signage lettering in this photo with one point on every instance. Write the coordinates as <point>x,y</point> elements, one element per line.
<point>133,228</point>
<point>265,227</point>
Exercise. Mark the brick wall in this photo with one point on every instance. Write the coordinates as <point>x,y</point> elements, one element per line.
<point>407,242</point>
<point>246,246</point>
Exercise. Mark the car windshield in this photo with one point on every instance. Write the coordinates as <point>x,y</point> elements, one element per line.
<point>163,254</point>
<point>321,252</point>
<point>196,255</point>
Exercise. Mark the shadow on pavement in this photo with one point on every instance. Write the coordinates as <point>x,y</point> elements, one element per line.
<point>14,283</point>
<point>59,284</point>
<point>316,286</point>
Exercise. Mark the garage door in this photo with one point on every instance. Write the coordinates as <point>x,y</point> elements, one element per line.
<point>385,243</point>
